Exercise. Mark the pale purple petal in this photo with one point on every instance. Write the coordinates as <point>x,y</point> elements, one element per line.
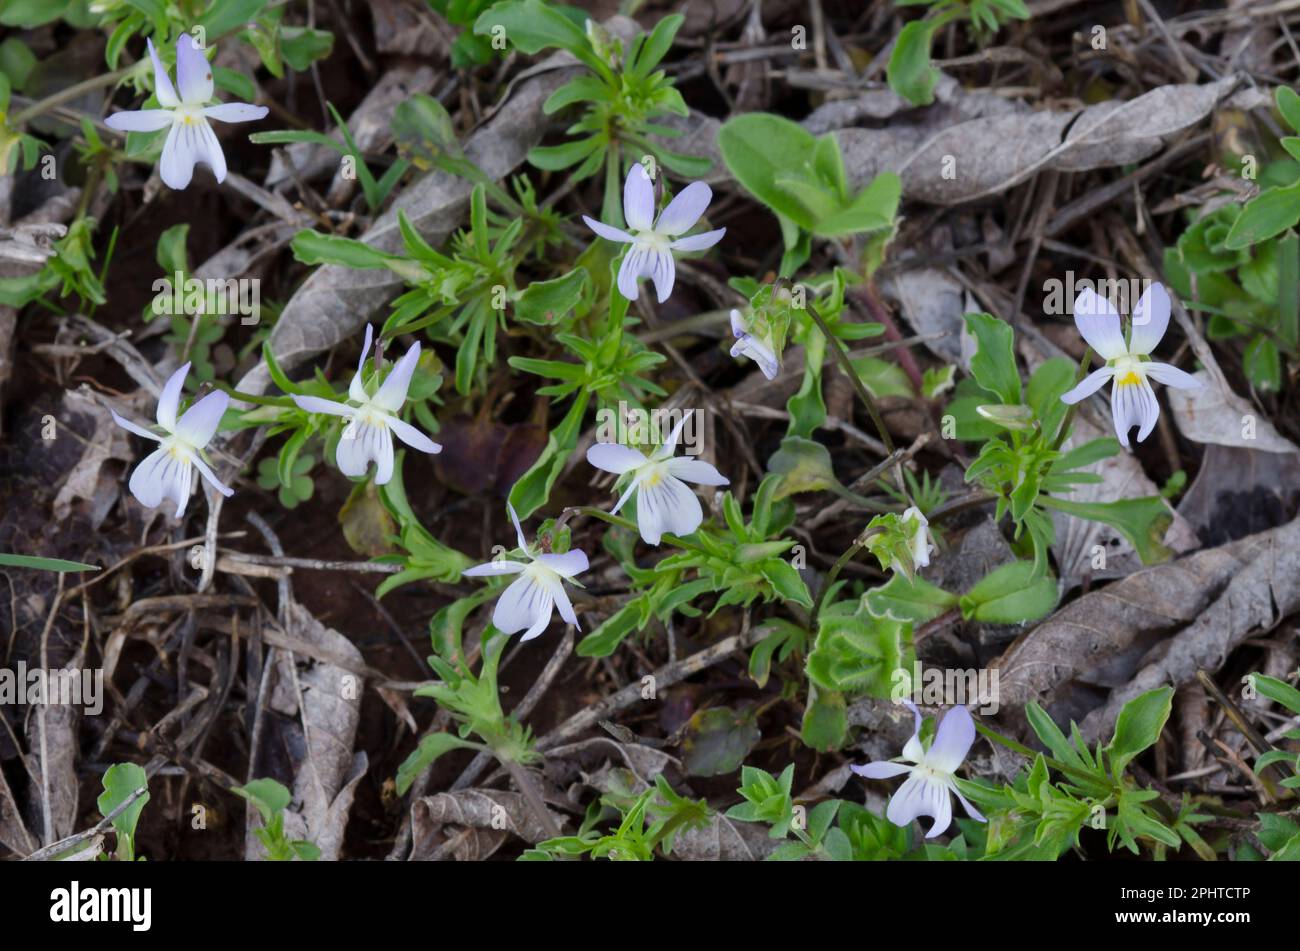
<point>519,529</point>
<point>493,568</point>
<point>171,398</point>
<point>235,112</point>
<point>180,152</point>
<point>970,809</point>
<point>697,471</point>
<point>912,749</point>
<point>608,232</point>
<point>670,444</point>
<point>193,74</point>
<point>412,436</point>
<point>1148,410</point>
<point>638,199</point>
<point>952,740</point>
<point>209,150</point>
<point>200,421</point>
<point>749,346</point>
<point>1171,376</point>
<point>630,270</point>
<point>1099,324</point>
<point>1150,319</point>
<point>562,603</point>
<point>142,120</point>
<point>698,242</point>
<point>669,507</point>
<point>1122,410</point>
<point>663,271</point>
<point>357,446</point>
<point>622,499</point>
<point>162,85</point>
<point>357,388</point>
<point>881,769</point>
<point>146,481</point>
<point>524,604</point>
<point>134,428</point>
<point>566,565</point>
<point>211,477</point>
<point>384,458</point>
<point>737,326</point>
<point>613,457</point>
<point>685,209</point>
<point>392,394</point>
<point>314,404</point>
<point>908,802</point>
<point>1089,385</point>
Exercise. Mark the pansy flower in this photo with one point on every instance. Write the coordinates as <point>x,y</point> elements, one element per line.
<point>930,773</point>
<point>1128,364</point>
<point>527,603</point>
<point>168,471</point>
<point>664,503</point>
<point>748,345</point>
<point>653,242</point>
<point>373,420</point>
<point>189,137</point>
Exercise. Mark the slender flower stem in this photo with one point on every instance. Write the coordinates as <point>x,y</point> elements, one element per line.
<point>1063,433</point>
<point>850,553</point>
<point>254,398</point>
<point>622,522</point>
<point>71,92</point>
<point>842,357</point>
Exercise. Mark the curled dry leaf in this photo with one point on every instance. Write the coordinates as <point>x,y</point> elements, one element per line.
<point>488,816</point>
<point>1101,639</point>
<point>328,774</point>
<point>1263,589</point>
<point>994,152</point>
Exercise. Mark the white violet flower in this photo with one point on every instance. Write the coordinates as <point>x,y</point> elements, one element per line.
<point>189,138</point>
<point>1132,401</point>
<point>653,242</point>
<point>526,604</point>
<point>919,541</point>
<point>168,471</point>
<point>373,421</point>
<point>930,777</point>
<point>663,501</point>
<point>750,346</point>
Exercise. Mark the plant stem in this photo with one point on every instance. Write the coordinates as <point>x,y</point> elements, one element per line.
<point>70,93</point>
<point>529,790</point>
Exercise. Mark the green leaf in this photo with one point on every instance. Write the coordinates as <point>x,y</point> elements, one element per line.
<point>1010,595</point>
<point>1266,216</point>
<point>857,654</point>
<point>1288,103</point>
<point>312,247</point>
<point>994,362</point>
<point>43,564</point>
<point>545,303</point>
<point>226,17</point>
<point>1138,727</point>
<point>268,795</point>
<point>301,46</point>
<point>120,783</point>
<point>917,602</point>
<point>430,748</point>
<point>758,147</point>
<point>602,641</point>
<point>532,26</point>
<point>825,720</point>
<point>910,72</point>
<point>1142,522</point>
<point>1277,690</point>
